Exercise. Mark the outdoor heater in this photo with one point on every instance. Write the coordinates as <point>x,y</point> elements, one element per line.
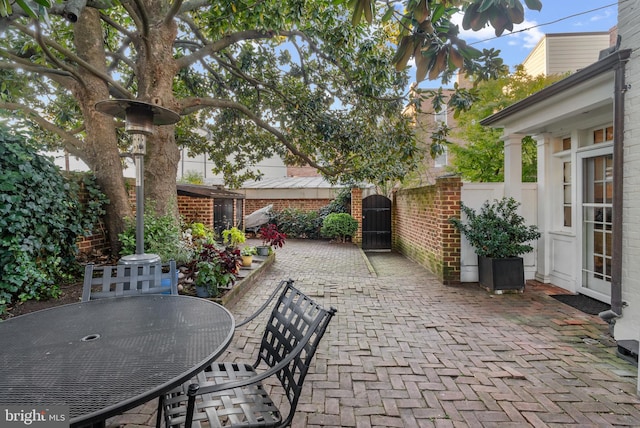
<point>139,117</point>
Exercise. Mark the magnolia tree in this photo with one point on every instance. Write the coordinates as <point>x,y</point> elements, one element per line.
<point>309,81</point>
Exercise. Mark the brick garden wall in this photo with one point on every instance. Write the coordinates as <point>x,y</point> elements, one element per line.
<point>192,209</point>
<point>421,229</point>
<point>200,209</point>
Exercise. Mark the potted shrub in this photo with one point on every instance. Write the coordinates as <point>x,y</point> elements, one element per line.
<point>233,237</point>
<point>206,279</point>
<point>247,254</point>
<point>271,237</point>
<point>214,268</point>
<point>499,236</point>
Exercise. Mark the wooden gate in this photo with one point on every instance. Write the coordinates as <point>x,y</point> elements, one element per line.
<point>376,223</point>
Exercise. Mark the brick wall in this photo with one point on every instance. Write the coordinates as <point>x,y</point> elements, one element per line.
<point>626,327</point>
<point>95,243</point>
<point>191,208</point>
<point>421,229</point>
<point>252,205</point>
<point>196,210</point>
<point>356,212</point>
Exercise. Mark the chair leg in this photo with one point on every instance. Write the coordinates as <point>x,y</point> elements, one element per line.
<point>191,404</point>
<point>159,413</point>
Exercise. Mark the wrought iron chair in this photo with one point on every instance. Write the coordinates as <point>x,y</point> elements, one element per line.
<point>265,304</point>
<point>232,394</point>
<point>115,281</point>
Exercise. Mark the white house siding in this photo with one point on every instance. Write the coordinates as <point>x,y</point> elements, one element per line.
<point>536,62</point>
<point>565,52</point>
<point>574,52</point>
<point>628,327</point>
<point>270,168</point>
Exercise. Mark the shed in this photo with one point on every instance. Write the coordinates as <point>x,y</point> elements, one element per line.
<point>214,206</point>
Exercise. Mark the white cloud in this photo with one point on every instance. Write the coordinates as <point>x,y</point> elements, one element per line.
<point>606,14</point>
<point>526,39</point>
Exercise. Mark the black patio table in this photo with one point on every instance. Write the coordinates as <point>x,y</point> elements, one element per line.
<point>107,356</point>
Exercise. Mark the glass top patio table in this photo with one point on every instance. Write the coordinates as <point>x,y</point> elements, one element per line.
<point>107,356</point>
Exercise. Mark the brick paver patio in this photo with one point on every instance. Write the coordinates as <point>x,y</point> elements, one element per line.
<point>406,351</point>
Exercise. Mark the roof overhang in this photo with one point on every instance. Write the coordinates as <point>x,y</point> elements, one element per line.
<point>214,192</point>
<point>583,99</point>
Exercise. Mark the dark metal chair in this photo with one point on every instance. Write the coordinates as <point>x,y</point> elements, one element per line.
<point>232,394</point>
<point>126,280</point>
<point>265,304</point>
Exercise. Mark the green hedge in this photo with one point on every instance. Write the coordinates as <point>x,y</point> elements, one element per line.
<point>296,223</point>
<point>41,219</point>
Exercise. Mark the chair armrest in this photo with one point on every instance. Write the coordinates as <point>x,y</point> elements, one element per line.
<point>265,304</point>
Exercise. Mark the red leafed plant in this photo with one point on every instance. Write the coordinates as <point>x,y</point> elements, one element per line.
<point>271,236</point>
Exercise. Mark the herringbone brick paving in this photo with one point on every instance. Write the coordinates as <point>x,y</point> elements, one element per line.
<point>406,351</point>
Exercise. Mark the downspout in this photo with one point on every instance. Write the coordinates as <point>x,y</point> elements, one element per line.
<point>618,175</point>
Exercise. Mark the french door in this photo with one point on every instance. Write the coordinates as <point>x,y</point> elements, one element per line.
<point>597,236</point>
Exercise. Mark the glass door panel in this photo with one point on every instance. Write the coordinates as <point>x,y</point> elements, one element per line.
<point>597,227</point>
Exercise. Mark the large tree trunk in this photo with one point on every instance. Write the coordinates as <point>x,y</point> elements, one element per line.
<point>157,69</point>
<point>101,149</point>
<point>161,167</point>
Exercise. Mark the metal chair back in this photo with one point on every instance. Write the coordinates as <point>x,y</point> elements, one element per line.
<point>231,394</point>
<point>295,320</point>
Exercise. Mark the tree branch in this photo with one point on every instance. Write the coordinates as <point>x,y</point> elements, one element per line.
<point>43,45</point>
<point>222,43</point>
<point>191,105</point>
<point>173,12</point>
<point>73,145</point>
<point>73,57</point>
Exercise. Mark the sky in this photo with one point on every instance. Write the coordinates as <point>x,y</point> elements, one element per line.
<point>556,16</point>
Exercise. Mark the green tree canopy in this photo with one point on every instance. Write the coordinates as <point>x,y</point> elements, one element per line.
<point>301,79</point>
<point>481,157</point>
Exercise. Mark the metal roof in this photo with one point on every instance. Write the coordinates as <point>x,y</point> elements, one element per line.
<point>292,183</point>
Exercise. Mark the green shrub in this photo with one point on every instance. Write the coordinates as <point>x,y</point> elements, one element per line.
<point>41,219</point>
<point>161,237</point>
<point>339,226</point>
<point>233,237</point>
<point>297,223</point>
<point>202,233</point>
<point>497,230</point>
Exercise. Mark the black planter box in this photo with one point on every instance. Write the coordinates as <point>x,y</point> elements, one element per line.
<point>499,275</point>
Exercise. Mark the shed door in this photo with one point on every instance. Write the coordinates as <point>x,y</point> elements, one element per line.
<point>222,215</point>
<point>376,223</point>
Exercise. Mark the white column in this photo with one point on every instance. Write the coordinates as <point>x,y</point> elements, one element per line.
<point>513,166</point>
<point>544,190</point>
